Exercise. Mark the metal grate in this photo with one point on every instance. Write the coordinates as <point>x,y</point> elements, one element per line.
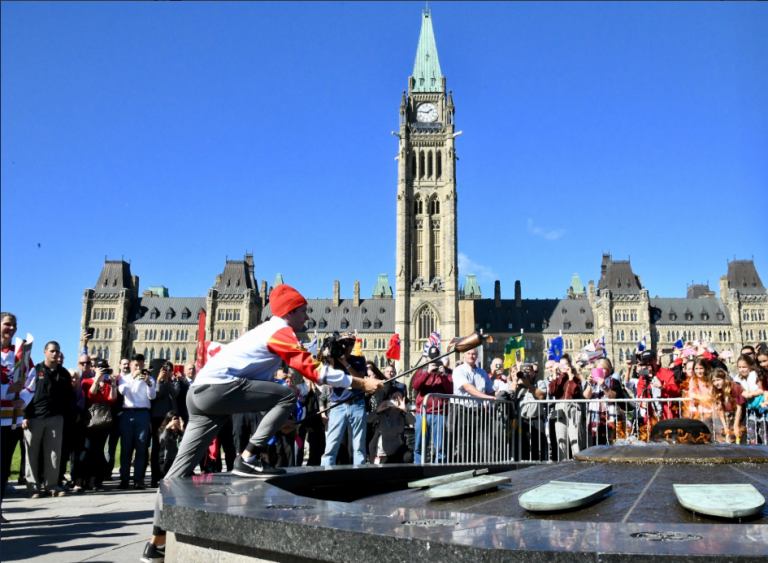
<point>290,506</point>
<point>665,536</point>
<point>431,523</point>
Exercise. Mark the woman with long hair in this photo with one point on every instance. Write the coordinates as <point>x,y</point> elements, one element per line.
<point>371,404</point>
<point>728,403</point>
<point>700,390</point>
<point>171,432</point>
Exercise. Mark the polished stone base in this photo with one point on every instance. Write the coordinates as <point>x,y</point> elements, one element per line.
<point>677,453</point>
<point>221,518</point>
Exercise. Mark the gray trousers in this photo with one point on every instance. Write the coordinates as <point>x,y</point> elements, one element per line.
<point>209,408</point>
<point>43,436</point>
<point>569,430</point>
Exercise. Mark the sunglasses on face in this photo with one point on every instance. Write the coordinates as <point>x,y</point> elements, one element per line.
<point>84,363</point>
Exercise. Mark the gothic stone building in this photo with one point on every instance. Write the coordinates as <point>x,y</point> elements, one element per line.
<point>427,297</point>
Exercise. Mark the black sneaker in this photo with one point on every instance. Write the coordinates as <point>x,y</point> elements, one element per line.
<point>258,468</point>
<point>124,485</point>
<point>139,486</point>
<point>153,554</point>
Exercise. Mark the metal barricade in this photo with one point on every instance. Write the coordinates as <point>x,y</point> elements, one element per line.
<point>465,430</point>
<point>555,430</point>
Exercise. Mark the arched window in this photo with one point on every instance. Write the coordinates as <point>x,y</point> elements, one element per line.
<point>237,333</point>
<point>413,165</point>
<point>376,361</point>
<point>365,342</point>
<point>106,353</point>
<point>133,351</point>
<point>162,354</point>
<point>622,335</point>
<point>439,164</point>
<point>178,355</point>
<point>421,164</point>
<point>429,164</point>
<point>426,324</point>
<point>231,334</point>
<point>184,355</point>
<point>146,353</point>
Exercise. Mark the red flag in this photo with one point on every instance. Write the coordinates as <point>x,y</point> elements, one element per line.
<point>201,347</point>
<point>393,352</point>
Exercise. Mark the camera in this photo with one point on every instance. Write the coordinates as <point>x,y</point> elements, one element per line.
<point>104,364</point>
<point>334,345</point>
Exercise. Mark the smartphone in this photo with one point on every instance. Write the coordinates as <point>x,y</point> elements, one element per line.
<point>90,331</point>
<point>598,373</point>
<point>667,350</point>
<point>689,352</point>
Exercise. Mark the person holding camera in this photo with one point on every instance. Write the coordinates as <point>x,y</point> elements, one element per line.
<point>237,380</point>
<point>569,430</point>
<point>653,381</point>
<point>138,390</point>
<point>99,394</point>
<point>435,378</point>
<point>171,432</point>
<point>526,387</point>
<point>352,411</point>
<point>392,416</point>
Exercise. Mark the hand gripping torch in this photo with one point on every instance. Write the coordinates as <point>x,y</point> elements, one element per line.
<point>462,345</point>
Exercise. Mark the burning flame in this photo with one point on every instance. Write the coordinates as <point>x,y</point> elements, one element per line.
<point>682,437</point>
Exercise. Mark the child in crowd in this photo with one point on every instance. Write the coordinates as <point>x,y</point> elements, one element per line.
<point>700,390</point>
<point>728,403</point>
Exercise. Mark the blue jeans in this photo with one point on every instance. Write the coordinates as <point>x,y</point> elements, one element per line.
<point>435,426</point>
<point>338,419</point>
<point>134,434</point>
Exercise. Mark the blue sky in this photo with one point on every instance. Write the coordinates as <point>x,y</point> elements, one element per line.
<point>176,134</point>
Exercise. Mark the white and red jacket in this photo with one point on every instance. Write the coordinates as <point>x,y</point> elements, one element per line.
<point>7,360</point>
<point>257,355</point>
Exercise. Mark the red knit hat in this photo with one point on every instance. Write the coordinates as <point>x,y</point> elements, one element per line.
<point>284,299</point>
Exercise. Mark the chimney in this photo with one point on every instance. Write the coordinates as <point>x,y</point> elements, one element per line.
<point>518,294</point>
<point>263,293</point>
<point>723,287</point>
<point>591,287</point>
<point>356,298</point>
<point>336,294</point>
<point>135,286</point>
<point>497,293</point>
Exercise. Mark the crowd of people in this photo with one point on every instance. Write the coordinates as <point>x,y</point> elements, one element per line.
<point>75,419</point>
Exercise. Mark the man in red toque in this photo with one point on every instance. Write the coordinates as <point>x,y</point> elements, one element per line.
<point>238,380</point>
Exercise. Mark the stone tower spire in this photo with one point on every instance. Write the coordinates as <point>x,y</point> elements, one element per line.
<point>427,260</point>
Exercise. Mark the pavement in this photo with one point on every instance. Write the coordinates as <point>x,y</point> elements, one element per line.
<point>110,526</point>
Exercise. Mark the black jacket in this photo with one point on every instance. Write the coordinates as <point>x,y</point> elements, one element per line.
<point>53,393</point>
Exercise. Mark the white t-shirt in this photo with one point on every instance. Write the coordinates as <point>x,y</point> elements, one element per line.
<point>477,377</point>
<point>751,383</point>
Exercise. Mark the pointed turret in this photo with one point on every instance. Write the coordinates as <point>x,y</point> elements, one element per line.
<point>426,70</point>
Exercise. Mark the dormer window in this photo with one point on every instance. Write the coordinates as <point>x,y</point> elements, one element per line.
<point>689,316</point>
<point>364,310</point>
<point>169,313</point>
<point>327,309</point>
<point>377,324</point>
<point>154,314</point>
<point>114,282</point>
<point>238,283</point>
<point>366,323</point>
<point>704,317</point>
<point>309,309</point>
<point>618,283</point>
<point>310,323</point>
<point>566,325</point>
<point>720,316</point>
<point>322,323</point>
<point>344,323</point>
<point>346,311</point>
<point>590,325</point>
<point>185,314</point>
<point>564,310</point>
<point>382,311</point>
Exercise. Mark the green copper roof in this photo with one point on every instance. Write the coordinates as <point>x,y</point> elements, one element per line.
<point>382,289</point>
<point>576,284</point>
<point>278,281</point>
<point>159,290</point>
<point>471,288</point>
<point>426,69</point>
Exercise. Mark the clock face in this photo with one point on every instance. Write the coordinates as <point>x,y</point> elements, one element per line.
<point>426,112</point>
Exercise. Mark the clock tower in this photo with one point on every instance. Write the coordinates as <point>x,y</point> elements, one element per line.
<point>427,266</point>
